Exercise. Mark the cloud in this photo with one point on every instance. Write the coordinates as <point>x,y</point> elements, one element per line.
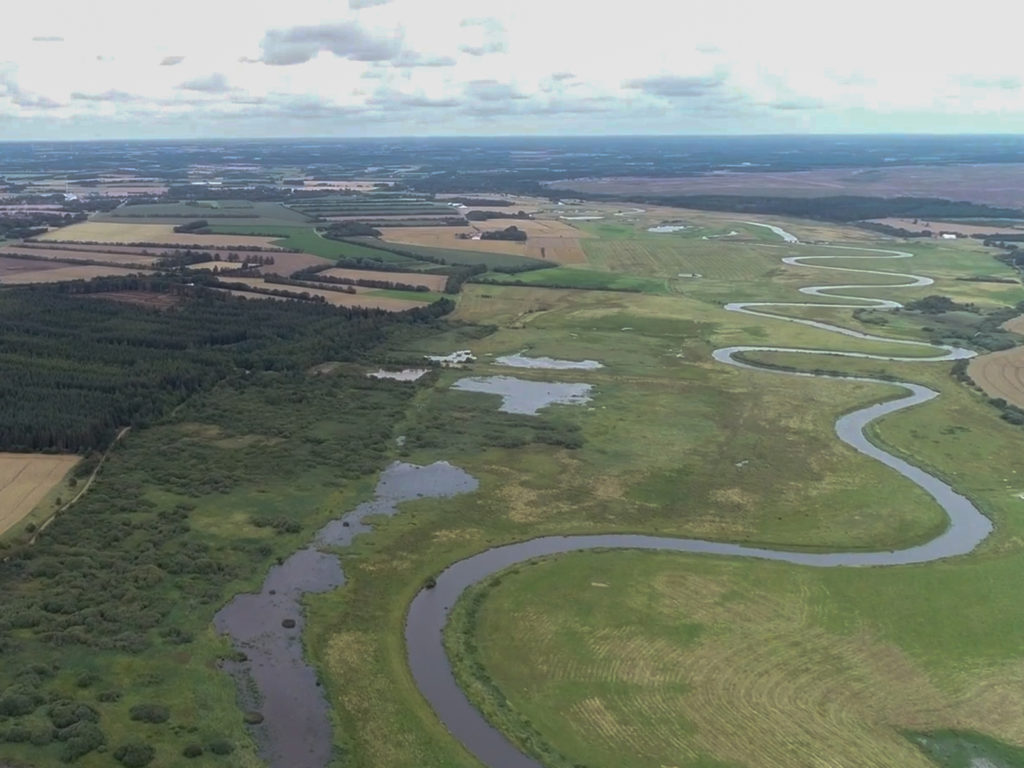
<point>215,83</point>
<point>357,4</point>
<point>414,59</point>
<point>792,105</point>
<point>491,90</point>
<point>676,87</point>
<point>112,95</point>
<point>488,37</point>
<point>10,89</point>
<point>47,39</point>
<point>559,76</point>
<point>1004,82</point>
<point>347,40</point>
<point>170,61</point>
<point>33,100</point>
<point>391,98</point>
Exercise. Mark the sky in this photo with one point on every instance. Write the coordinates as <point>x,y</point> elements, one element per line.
<point>227,68</point>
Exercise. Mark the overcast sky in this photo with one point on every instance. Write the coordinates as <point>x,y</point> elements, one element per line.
<point>187,68</point>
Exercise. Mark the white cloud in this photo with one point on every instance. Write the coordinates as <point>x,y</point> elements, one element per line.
<point>538,66</point>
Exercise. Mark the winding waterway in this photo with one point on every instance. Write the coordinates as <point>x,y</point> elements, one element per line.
<point>429,611</point>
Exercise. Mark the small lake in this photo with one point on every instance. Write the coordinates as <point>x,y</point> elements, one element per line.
<point>667,228</point>
<point>526,397</point>
<point>408,374</point>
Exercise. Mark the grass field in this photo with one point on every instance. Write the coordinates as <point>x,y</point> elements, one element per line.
<point>588,279</point>
<point>620,658</point>
<point>240,212</point>
<point>652,659</point>
<point>25,480</point>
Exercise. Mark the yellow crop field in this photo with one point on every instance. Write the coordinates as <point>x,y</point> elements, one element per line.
<point>25,479</point>
<point>116,232</point>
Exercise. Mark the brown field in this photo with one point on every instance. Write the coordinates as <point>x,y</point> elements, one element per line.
<point>139,298</point>
<point>558,239</point>
<point>949,226</point>
<point>336,298</point>
<point>57,254</point>
<point>25,478</point>
<point>44,273</point>
<point>433,282</point>
<point>1000,374</point>
<point>164,234</point>
<point>286,263</point>
<point>12,267</point>
<point>996,184</point>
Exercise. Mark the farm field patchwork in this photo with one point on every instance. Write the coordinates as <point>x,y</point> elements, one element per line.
<point>25,480</point>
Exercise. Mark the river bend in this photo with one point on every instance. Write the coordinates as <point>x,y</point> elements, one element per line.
<point>967,528</point>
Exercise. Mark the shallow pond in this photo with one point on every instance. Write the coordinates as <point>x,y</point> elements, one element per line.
<point>527,397</point>
<point>407,374</point>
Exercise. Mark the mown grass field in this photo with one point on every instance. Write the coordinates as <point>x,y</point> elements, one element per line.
<point>686,660</point>
<point>614,658</point>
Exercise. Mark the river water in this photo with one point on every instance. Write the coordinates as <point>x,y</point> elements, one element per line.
<point>275,679</point>
<point>428,613</point>
<point>296,732</point>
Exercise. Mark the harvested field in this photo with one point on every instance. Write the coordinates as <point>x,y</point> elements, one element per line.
<point>12,267</point>
<point>59,254</point>
<point>951,226</point>
<point>1000,374</point>
<point>25,478</point>
<point>445,237</point>
<point>995,184</point>
<point>561,250</point>
<point>432,282</point>
<point>548,240</point>
<point>286,263</point>
<point>336,298</point>
<point>164,234</point>
<point>139,298</point>
<point>45,273</point>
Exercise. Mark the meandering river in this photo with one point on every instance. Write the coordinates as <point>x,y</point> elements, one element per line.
<point>429,611</point>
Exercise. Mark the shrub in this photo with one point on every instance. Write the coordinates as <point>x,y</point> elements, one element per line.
<point>64,714</point>
<point>221,747</point>
<point>80,739</point>
<point>253,718</point>
<point>134,755</point>
<point>150,713</point>
<point>192,750</point>
<point>108,696</point>
<point>14,705</point>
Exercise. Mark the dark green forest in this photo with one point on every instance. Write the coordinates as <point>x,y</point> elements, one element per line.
<point>77,368</point>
